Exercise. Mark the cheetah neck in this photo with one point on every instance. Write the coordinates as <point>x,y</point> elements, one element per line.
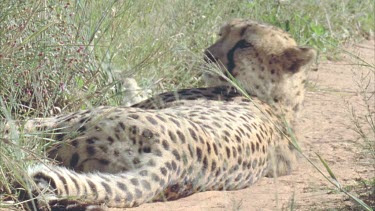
<point>285,94</point>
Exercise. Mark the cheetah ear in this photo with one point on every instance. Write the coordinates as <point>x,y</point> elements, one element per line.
<point>294,58</point>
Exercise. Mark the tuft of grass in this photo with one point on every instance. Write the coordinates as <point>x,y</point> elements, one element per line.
<point>363,123</point>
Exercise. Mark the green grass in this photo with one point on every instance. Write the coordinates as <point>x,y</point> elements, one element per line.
<point>62,55</point>
<point>68,55</point>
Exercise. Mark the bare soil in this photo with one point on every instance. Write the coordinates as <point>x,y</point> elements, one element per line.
<point>324,128</point>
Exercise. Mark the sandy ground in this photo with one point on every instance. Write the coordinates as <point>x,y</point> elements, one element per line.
<point>324,128</point>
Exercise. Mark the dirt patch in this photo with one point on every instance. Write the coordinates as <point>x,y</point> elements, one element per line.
<point>324,128</point>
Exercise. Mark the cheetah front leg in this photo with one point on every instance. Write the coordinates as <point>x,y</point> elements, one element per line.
<point>282,159</point>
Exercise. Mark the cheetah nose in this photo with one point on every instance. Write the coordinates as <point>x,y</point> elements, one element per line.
<point>208,57</point>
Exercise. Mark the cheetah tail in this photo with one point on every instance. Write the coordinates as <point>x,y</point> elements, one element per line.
<point>57,187</point>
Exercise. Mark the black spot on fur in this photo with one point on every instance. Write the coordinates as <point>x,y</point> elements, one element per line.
<point>208,147</point>
<point>193,135</point>
<point>129,196</point>
<point>162,182</point>
<point>174,165</point>
<point>134,116</point>
<point>172,136</point>
<point>244,165</point>
<point>151,120</point>
<point>146,149</point>
<point>110,140</point>
<point>146,184</point>
<point>136,161</point>
<point>133,129</point>
<point>215,149</point>
<point>190,170</point>
<point>181,136</point>
<point>82,129</point>
<point>157,152</point>
<point>252,147</point>
<point>107,188</point>
<point>121,125</point>
<point>190,151</point>
<point>238,178</point>
<point>205,162</point>
<point>239,161</point>
<point>74,160</point>
<point>226,139</point>
<point>165,145</point>
<point>63,181</point>
<point>228,151</point>
<point>117,136</point>
<point>168,165</point>
<point>147,133</point>
<point>104,162</point>
<point>91,150</point>
<point>213,166</point>
<point>218,172</point>
<point>76,184</point>
<point>134,181</point>
<point>93,188</point>
<point>122,186</point>
<point>234,152</point>
<point>118,199</point>
<point>199,154</point>
<point>239,149</point>
<point>155,177</point>
<point>161,118</point>
<point>104,149</point>
<point>74,143</point>
<point>254,163</point>
<point>163,171</point>
<point>60,135</point>
<point>176,154</point>
<point>91,140</point>
<point>175,122</point>
<point>143,173</point>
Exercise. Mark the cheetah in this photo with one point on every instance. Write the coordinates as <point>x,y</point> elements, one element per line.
<point>179,143</point>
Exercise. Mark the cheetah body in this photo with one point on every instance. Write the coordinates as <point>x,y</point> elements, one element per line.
<point>183,142</point>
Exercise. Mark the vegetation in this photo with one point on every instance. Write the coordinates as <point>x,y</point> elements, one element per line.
<point>69,55</point>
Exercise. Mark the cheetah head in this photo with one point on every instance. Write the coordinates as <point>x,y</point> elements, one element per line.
<point>264,60</point>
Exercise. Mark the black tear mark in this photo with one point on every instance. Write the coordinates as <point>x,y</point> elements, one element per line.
<point>243,30</point>
<point>230,56</point>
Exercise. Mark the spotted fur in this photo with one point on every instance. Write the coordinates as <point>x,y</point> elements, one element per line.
<point>178,143</point>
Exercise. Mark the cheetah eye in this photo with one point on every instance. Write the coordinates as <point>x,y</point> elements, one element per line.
<point>244,44</point>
